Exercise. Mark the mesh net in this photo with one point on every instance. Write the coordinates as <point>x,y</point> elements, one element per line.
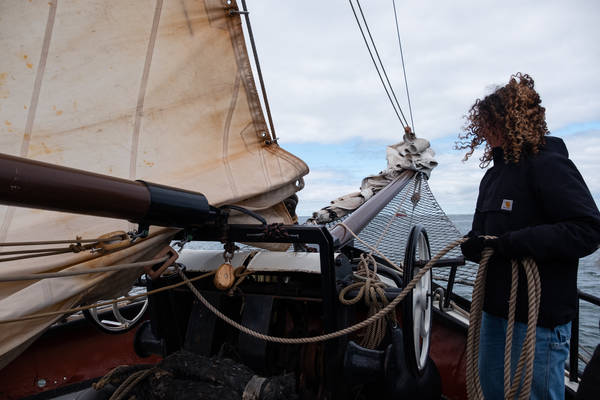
<point>415,204</point>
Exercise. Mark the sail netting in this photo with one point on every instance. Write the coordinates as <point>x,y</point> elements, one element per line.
<point>416,204</point>
<point>160,91</point>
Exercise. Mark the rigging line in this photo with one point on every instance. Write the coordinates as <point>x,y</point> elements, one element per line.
<point>375,64</point>
<point>403,68</point>
<point>259,72</point>
<point>381,62</point>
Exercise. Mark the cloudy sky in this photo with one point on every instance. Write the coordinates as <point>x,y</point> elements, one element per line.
<point>330,109</point>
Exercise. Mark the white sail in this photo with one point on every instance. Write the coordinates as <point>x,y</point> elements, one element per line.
<point>156,90</point>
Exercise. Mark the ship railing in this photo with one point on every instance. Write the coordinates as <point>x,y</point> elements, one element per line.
<point>574,352</point>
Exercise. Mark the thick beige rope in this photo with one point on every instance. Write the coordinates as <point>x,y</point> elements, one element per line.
<point>474,390</point>
<point>66,241</point>
<point>372,291</point>
<point>332,335</point>
<point>117,267</point>
<point>131,381</point>
<point>106,303</point>
<point>75,246</point>
<point>526,358</point>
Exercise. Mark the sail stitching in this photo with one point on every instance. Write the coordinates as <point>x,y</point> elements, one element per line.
<point>243,63</point>
<point>139,109</point>
<point>35,96</point>
<point>226,129</point>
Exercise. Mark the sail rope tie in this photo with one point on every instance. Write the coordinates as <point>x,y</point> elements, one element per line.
<point>63,241</point>
<point>63,274</point>
<point>75,246</point>
<point>108,302</point>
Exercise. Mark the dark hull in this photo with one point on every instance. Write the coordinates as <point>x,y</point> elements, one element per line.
<point>67,358</point>
<point>70,357</point>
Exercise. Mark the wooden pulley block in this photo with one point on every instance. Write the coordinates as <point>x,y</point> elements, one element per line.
<point>224,277</point>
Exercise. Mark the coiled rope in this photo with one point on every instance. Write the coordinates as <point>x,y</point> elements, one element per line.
<point>332,335</point>
<point>371,290</point>
<point>524,371</point>
<point>526,357</point>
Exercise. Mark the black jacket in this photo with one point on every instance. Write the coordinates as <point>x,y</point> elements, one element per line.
<point>539,207</point>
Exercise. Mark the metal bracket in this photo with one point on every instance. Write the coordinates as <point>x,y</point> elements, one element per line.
<point>154,271</point>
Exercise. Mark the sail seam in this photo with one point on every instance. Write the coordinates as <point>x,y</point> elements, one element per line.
<point>35,96</point>
<point>243,62</point>
<point>37,86</point>
<point>226,129</point>
<point>139,109</point>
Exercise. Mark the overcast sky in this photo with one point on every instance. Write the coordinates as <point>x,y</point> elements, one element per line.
<point>330,109</point>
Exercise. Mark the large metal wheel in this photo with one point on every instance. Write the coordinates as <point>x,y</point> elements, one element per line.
<point>125,314</point>
<point>416,308</point>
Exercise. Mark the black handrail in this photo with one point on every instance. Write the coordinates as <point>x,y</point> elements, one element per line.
<point>589,298</point>
<point>574,343</point>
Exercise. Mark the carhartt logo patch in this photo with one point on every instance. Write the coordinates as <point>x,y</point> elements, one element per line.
<point>507,205</point>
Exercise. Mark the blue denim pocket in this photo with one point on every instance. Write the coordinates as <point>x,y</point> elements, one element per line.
<point>560,337</point>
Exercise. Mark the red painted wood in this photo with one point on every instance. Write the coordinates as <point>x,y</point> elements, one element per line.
<point>67,355</point>
<point>448,351</point>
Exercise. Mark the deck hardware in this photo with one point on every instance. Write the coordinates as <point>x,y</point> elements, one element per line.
<point>154,271</point>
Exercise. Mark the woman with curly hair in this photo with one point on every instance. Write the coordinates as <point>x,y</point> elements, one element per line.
<point>535,201</point>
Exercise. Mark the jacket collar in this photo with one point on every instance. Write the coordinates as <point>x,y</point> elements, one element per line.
<point>498,155</point>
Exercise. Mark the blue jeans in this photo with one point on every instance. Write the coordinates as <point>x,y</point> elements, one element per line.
<point>551,352</point>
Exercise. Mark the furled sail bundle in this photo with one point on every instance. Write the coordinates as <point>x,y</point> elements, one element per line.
<point>155,90</point>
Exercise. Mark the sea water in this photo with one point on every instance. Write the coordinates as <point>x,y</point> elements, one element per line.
<point>588,281</point>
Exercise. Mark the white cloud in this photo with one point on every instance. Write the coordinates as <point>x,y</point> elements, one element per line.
<point>455,184</point>
<point>322,186</point>
<point>323,87</point>
<point>584,151</point>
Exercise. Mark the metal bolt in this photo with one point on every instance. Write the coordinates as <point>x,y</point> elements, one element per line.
<point>41,383</point>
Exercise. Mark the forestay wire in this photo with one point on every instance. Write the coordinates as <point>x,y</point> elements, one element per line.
<point>388,88</point>
<point>412,122</point>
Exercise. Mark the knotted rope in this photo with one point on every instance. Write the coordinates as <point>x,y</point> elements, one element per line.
<point>75,246</point>
<point>106,303</point>
<point>474,391</point>
<point>332,335</point>
<point>372,290</point>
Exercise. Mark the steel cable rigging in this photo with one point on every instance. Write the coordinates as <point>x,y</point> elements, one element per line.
<point>379,67</point>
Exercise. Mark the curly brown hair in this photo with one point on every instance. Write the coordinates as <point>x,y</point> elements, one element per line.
<point>513,110</point>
